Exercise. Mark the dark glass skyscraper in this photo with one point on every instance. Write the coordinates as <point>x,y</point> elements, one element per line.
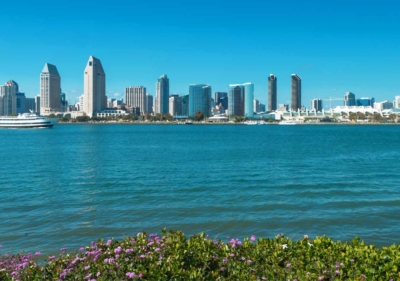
<point>221,98</point>
<point>296,92</point>
<point>236,100</point>
<point>272,89</point>
<point>162,95</point>
<point>349,99</point>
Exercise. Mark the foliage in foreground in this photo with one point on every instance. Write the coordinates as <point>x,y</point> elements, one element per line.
<point>172,256</point>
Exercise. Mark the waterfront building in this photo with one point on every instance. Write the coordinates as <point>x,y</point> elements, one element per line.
<point>185,105</point>
<point>316,104</point>
<point>296,92</point>
<point>81,103</point>
<point>383,105</point>
<point>162,95</point>
<point>283,107</point>
<point>221,98</point>
<point>94,93</point>
<point>135,96</point>
<point>116,103</point>
<point>272,92</point>
<point>63,102</point>
<point>111,112</point>
<point>365,102</point>
<point>241,99</point>
<point>248,100</point>
<point>29,104</point>
<point>396,102</point>
<point>149,101</point>
<point>175,105</point>
<point>37,104</point>
<point>236,100</point>
<point>256,105</point>
<point>262,107</point>
<point>200,99</point>
<point>20,103</point>
<point>349,99</point>
<point>8,98</point>
<point>50,89</point>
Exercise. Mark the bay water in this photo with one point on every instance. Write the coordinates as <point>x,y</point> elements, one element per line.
<point>75,183</point>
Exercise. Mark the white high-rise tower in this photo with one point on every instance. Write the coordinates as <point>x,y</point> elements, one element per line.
<point>50,89</point>
<point>94,93</point>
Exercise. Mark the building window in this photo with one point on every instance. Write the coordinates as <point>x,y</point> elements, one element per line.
<point>90,63</point>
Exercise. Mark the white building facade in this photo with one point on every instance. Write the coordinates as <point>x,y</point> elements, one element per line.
<point>50,90</point>
<point>8,98</point>
<point>94,93</point>
<point>135,96</point>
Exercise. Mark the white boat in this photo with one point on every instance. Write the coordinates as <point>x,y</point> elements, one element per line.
<point>27,120</point>
<point>288,122</point>
<point>250,123</point>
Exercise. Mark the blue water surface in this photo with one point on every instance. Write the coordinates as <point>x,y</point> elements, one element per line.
<point>70,185</point>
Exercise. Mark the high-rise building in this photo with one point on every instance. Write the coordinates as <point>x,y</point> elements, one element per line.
<point>162,95</point>
<point>283,107</point>
<point>149,100</point>
<point>221,98</point>
<point>396,102</point>
<point>199,99</point>
<point>256,105</point>
<point>272,92</point>
<point>349,99</point>
<point>296,92</point>
<point>135,96</point>
<point>21,103</point>
<point>383,105</point>
<point>37,104</point>
<point>8,98</point>
<point>94,92</point>
<point>175,105</point>
<point>262,107</point>
<point>50,89</point>
<point>236,100</point>
<point>316,104</point>
<point>248,100</point>
<point>185,105</point>
<point>240,99</point>
<point>29,104</point>
<point>365,102</point>
<point>63,102</point>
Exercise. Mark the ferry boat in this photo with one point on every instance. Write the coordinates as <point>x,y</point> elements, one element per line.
<point>250,123</point>
<point>27,120</point>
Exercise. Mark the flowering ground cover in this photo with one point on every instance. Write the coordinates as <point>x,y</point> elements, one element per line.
<point>173,256</point>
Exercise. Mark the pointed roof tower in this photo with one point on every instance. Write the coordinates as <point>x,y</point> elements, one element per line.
<point>50,68</point>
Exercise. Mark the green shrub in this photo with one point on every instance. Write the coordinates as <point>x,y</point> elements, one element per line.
<point>172,256</point>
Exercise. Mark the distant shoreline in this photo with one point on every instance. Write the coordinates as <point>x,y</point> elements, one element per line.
<point>226,123</point>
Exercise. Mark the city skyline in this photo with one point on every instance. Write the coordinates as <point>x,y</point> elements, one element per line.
<point>336,47</point>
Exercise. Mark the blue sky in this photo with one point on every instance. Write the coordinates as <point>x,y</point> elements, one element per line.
<point>334,46</point>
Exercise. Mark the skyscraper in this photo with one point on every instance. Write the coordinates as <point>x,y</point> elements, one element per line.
<point>296,92</point>
<point>248,99</point>
<point>199,99</point>
<point>185,105</point>
<point>37,104</point>
<point>94,92</point>
<point>221,98</point>
<point>136,97</point>
<point>162,95</point>
<point>50,89</point>
<point>272,90</point>
<point>316,104</point>
<point>175,105</point>
<point>236,100</point>
<point>349,99</point>
<point>8,98</point>
<point>149,100</point>
<point>241,99</point>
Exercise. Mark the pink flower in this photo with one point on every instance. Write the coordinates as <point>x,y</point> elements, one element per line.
<point>87,267</point>
<point>38,253</point>
<point>130,274</point>
<point>253,238</point>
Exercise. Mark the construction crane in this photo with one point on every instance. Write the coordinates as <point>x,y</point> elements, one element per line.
<point>331,99</point>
